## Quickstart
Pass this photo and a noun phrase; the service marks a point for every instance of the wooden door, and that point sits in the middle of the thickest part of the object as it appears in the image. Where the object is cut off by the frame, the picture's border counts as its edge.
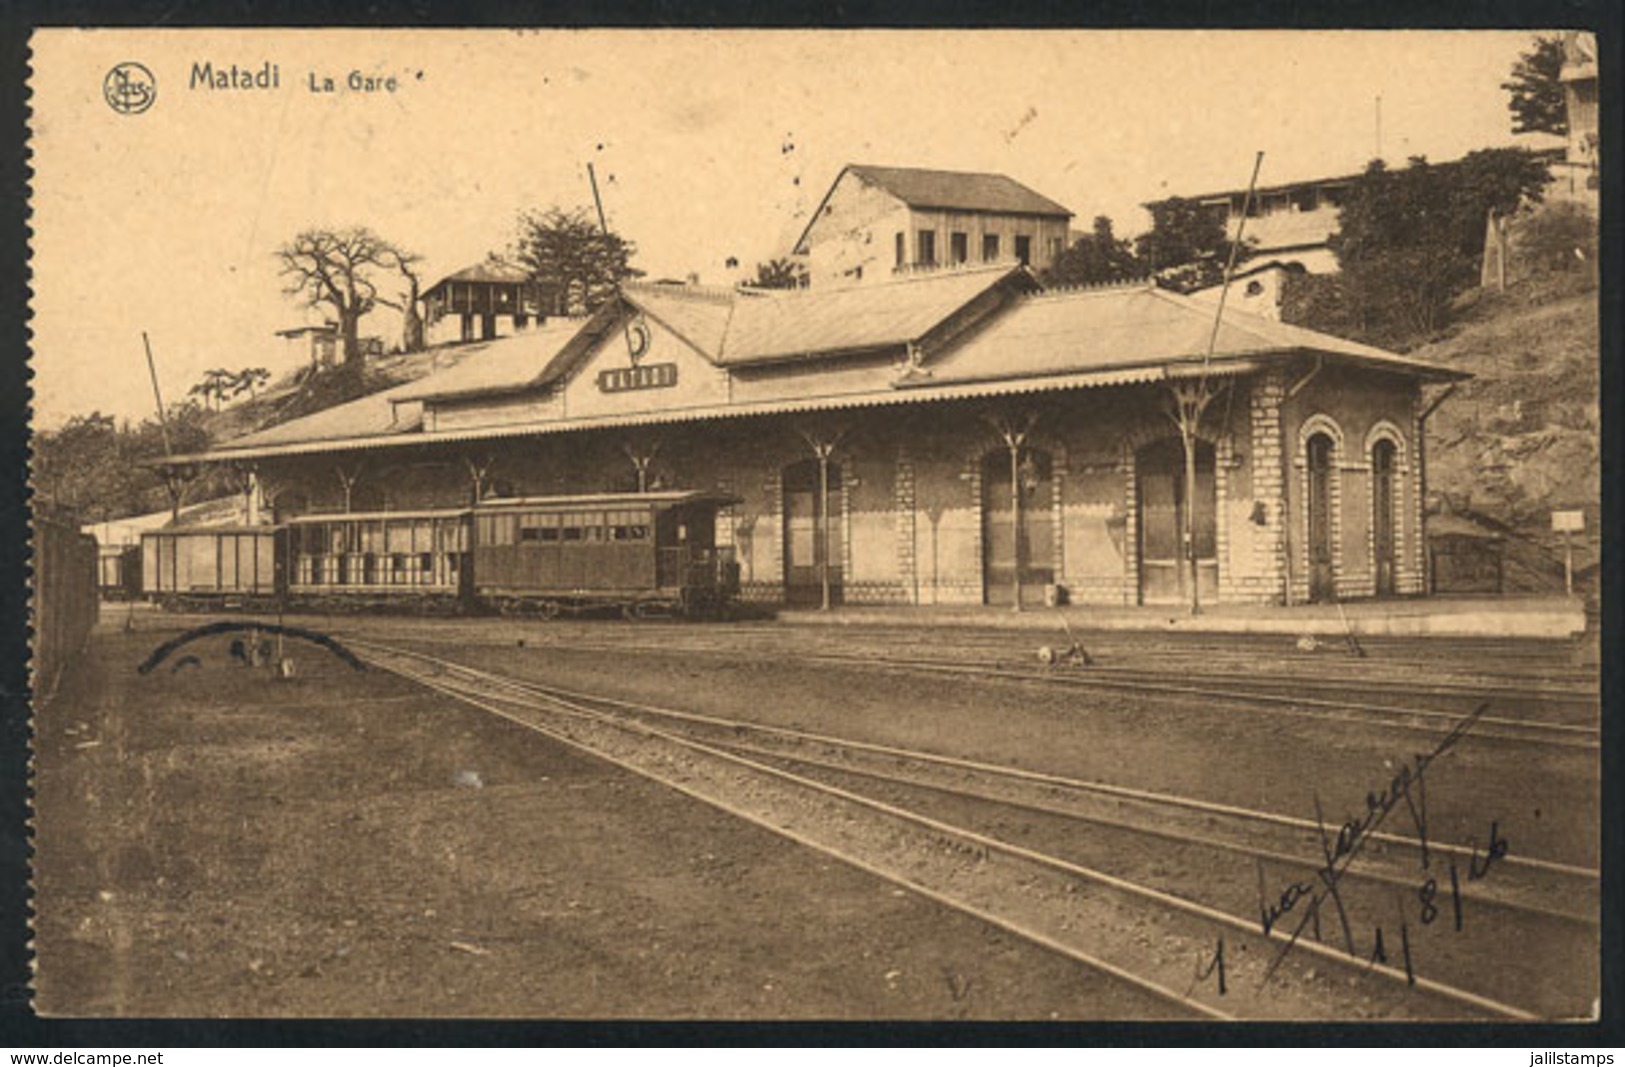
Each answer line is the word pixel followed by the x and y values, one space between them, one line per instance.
pixel 1164 553
pixel 1017 538
pixel 808 540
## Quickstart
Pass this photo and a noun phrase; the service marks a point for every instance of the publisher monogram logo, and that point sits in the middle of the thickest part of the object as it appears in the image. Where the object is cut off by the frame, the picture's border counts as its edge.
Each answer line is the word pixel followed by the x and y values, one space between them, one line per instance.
pixel 129 88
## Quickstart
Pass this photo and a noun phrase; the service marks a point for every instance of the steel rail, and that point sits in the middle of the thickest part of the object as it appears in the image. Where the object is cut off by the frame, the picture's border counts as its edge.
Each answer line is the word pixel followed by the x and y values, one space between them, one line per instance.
pixel 1077 784
pixel 1514 730
pixel 1012 926
pixel 1125 886
pixel 1194 840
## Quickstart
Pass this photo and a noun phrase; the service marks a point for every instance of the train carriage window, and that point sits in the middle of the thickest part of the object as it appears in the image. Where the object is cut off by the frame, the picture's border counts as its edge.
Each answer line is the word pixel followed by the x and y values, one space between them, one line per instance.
pixel 499 529
pixel 340 543
pixel 538 527
pixel 372 537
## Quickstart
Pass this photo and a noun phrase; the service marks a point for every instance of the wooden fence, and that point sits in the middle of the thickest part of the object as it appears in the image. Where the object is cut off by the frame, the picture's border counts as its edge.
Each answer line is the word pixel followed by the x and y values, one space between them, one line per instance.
pixel 62 604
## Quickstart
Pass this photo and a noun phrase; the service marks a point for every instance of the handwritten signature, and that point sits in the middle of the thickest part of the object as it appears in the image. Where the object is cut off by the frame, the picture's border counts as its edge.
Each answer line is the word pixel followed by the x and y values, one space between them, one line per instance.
pixel 1306 899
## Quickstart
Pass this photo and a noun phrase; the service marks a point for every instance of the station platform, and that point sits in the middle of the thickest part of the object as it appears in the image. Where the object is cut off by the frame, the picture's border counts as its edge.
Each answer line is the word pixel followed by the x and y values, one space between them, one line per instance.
pixel 1532 617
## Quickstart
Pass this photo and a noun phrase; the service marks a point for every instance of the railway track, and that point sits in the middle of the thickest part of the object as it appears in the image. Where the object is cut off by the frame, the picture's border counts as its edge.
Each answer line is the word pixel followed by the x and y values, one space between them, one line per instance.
pixel 934 824
pixel 1571 725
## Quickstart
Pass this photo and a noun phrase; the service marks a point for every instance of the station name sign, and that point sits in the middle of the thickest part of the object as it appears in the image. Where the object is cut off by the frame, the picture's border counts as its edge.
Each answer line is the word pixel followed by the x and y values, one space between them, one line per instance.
pixel 641 376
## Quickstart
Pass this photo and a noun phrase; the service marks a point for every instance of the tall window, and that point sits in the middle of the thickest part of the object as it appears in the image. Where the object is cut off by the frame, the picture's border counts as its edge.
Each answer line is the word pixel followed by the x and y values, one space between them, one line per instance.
pixel 958 248
pixel 927 248
pixel 990 247
pixel 902 253
pixel 1024 249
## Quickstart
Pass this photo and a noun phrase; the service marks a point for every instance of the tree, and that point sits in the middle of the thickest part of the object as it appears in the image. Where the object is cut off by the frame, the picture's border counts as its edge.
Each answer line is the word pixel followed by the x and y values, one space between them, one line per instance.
pixel 82 466
pixel 1409 240
pixel 576 265
pixel 216 387
pixel 1187 246
pixel 106 471
pixel 1096 258
pixel 411 319
pixel 340 268
pixel 249 380
pixel 779 274
pixel 1537 103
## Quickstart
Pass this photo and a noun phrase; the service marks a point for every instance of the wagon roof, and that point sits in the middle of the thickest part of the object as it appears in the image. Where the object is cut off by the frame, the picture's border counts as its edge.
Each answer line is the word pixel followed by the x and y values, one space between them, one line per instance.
pixel 207 531
pixel 663 498
pixel 348 516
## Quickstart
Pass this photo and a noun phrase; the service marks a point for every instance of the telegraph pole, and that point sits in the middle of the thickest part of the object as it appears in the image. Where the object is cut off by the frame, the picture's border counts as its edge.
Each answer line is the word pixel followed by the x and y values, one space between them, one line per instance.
pixel 1190 403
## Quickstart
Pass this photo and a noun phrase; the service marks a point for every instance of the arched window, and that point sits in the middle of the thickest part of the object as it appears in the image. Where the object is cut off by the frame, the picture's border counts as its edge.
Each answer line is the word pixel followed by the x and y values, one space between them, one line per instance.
pixel 1384 514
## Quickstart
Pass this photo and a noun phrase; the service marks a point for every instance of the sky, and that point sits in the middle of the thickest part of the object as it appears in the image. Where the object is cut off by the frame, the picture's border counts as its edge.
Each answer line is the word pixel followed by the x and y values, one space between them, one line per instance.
pixel 707 145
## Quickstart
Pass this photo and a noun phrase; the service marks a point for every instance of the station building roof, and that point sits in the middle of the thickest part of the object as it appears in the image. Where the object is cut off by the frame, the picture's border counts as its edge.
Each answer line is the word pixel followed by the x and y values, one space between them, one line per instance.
pixel 951 335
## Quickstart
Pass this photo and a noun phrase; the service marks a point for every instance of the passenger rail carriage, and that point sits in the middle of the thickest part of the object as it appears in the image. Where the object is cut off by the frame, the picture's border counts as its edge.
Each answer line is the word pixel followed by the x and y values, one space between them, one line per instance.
pixel 642 553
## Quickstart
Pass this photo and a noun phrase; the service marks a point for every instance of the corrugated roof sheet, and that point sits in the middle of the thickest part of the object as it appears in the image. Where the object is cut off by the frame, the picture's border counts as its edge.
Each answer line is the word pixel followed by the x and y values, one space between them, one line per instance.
pixel 1099 329
pixel 366 417
pixel 699 317
pixel 791 323
pixel 958 190
pixel 503 365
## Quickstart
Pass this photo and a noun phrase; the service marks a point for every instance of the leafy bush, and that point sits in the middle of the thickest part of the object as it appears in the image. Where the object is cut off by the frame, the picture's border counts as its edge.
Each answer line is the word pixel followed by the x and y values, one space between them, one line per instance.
pixel 1559 237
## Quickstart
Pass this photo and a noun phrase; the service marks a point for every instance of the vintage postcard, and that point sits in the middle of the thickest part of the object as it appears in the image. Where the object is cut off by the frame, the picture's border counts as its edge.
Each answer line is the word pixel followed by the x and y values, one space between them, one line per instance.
pixel 746 525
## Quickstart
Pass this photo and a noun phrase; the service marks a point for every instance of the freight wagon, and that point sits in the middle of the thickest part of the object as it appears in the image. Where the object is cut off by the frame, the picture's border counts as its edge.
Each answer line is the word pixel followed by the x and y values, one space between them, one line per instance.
pixel 207 567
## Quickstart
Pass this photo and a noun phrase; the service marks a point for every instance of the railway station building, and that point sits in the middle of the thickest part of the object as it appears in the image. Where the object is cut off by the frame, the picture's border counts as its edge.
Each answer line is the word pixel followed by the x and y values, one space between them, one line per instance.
pixel 958 436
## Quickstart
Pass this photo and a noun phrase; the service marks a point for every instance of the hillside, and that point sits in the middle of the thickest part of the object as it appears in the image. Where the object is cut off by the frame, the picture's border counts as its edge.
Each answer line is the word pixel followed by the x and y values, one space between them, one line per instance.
pixel 1522 438
pixel 302 393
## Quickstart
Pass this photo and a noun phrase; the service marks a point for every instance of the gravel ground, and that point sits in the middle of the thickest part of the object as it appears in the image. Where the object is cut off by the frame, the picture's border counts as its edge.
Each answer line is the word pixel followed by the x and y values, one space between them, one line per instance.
pixel 214 843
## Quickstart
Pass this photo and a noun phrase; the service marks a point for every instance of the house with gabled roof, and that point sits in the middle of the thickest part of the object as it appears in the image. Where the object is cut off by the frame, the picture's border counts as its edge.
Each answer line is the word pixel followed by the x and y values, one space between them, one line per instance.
pixel 878 222
pixel 955 437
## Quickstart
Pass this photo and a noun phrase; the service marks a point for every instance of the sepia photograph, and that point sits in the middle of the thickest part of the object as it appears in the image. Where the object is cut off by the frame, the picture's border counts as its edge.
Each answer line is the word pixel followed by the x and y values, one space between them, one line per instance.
pixel 798 525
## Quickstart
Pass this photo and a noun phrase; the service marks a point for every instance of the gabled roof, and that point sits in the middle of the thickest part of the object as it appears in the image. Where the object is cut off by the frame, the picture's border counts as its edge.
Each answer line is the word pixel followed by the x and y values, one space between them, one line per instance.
pixel 945 190
pixel 777 325
pixel 957 190
pixel 810 323
pixel 699 315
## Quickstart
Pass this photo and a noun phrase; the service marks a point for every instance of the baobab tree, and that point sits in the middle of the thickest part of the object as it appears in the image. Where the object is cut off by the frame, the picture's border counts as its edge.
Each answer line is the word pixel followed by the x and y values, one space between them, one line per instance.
pixel 411 319
pixel 340 269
